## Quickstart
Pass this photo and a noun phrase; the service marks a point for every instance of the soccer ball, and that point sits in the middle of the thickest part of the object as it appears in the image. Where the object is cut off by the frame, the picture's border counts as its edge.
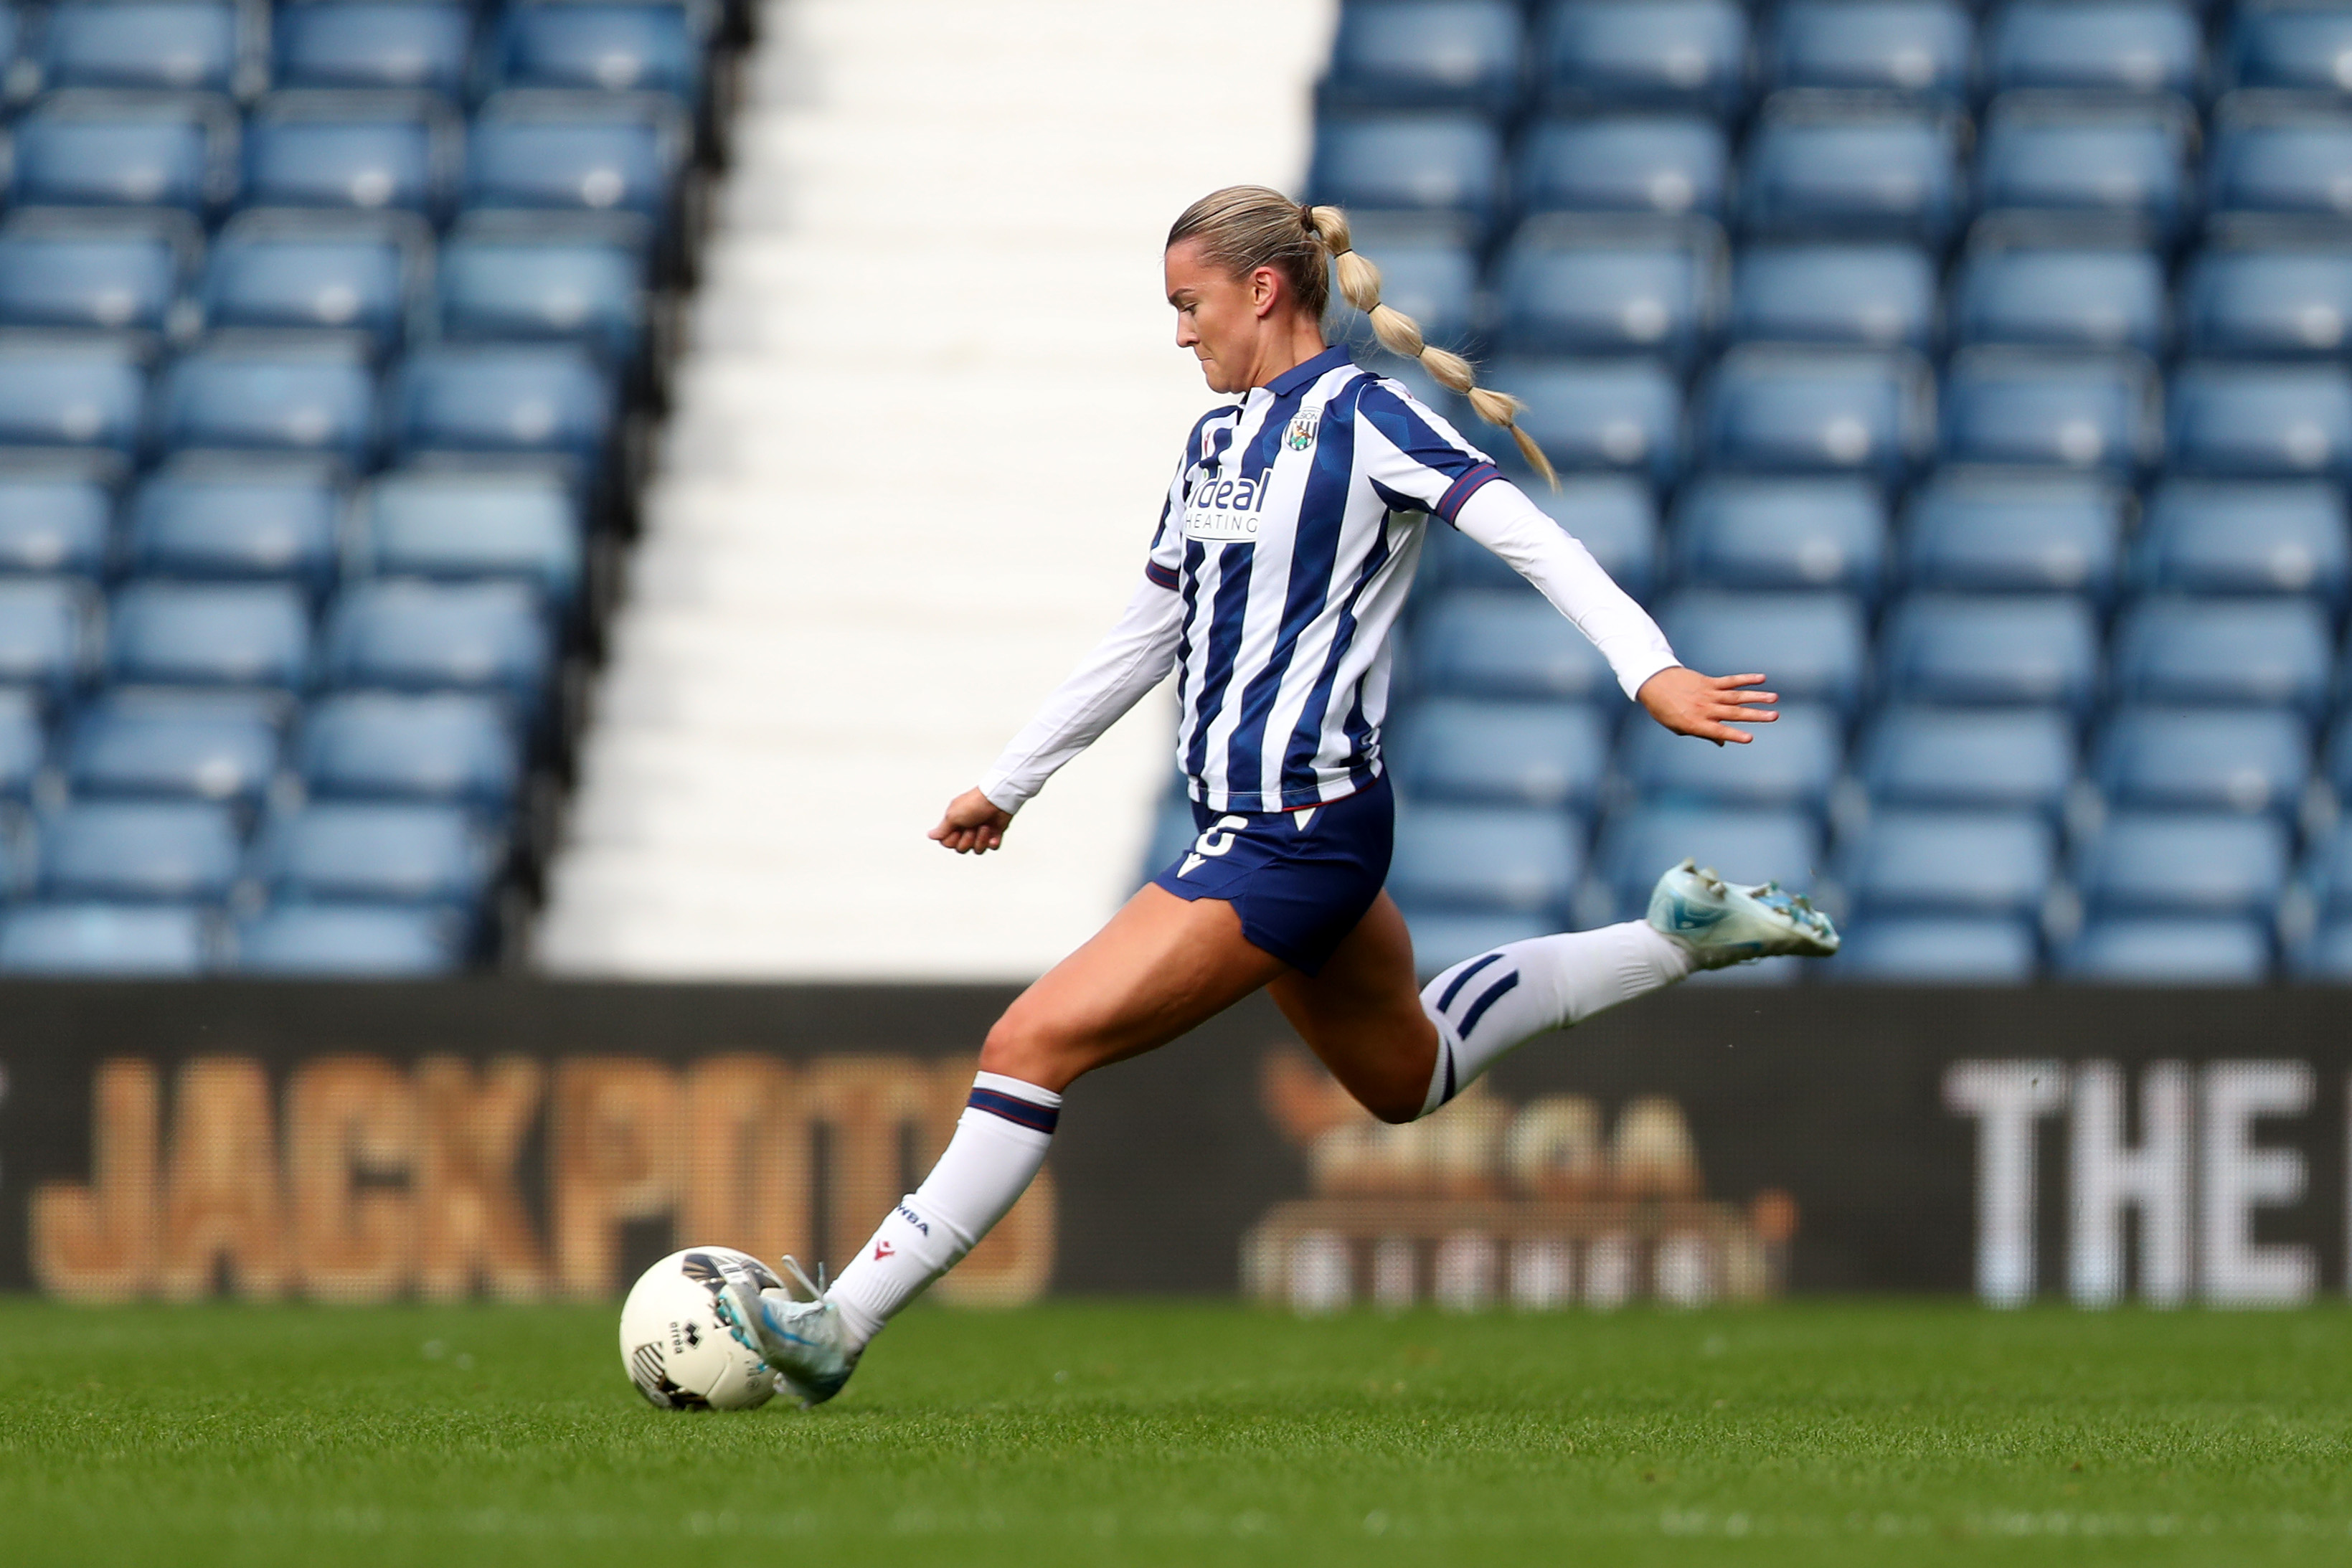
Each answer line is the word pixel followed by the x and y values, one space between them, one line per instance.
pixel 675 1346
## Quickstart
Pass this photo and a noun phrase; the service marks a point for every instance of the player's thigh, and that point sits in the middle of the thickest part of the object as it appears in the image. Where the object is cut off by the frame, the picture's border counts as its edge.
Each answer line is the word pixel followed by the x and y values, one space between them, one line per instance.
pixel 1161 967
pixel 1361 1014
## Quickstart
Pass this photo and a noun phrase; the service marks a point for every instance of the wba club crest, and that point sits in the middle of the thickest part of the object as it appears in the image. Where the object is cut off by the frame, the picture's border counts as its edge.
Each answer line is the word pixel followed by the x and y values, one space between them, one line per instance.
pixel 1302 433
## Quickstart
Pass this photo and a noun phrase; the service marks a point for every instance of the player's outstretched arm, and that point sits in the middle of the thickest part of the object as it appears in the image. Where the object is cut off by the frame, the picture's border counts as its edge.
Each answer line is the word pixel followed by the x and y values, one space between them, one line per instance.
pixel 1707 706
pixel 973 824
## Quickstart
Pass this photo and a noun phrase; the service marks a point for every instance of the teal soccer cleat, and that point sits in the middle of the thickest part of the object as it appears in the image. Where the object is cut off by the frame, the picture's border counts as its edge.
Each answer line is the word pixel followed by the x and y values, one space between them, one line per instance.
pixel 805 1343
pixel 1722 925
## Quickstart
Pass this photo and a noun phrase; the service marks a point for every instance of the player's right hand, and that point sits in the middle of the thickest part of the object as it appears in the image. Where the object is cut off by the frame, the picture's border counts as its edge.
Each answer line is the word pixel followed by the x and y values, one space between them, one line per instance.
pixel 973 824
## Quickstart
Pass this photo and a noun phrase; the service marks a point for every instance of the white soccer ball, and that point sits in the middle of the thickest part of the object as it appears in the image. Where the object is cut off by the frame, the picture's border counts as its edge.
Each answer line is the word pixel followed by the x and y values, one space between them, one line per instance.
pixel 677 1350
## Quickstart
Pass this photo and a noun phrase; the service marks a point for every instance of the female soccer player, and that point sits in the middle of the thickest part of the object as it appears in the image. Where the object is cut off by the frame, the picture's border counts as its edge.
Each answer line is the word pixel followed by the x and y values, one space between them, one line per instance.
pixel 1284 552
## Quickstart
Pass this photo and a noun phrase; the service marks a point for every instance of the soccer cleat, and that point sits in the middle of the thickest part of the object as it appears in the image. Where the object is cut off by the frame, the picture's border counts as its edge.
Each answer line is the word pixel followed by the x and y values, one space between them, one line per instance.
pixel 1722 925
pixel 805 1343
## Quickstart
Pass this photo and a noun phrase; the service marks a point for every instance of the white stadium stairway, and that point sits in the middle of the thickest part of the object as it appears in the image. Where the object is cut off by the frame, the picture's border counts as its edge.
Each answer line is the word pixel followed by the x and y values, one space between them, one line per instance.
pixel 928 406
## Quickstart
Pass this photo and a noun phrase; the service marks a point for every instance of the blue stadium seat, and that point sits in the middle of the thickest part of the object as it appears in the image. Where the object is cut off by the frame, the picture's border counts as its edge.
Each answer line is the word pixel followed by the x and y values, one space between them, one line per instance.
pixel 1820 165
pixel 2327 956
pixel 177 45
pixel 1936 949
pixel 2326 874
pixel 309 394
pixel 71 392
pixel 650 48
pixel 1887 46
pixel 1944 861
pixel 173 745
pixel 1610 285
pixel 402 44
pixel 469 525
pixel 103 149
pixel 1990 531
pixel 2273 156
pixel 1746 844
pixel 2338 764
pixel 1428 53
pixel 2038 649
pixel 365 745
pixel 2028 407
pixel 214 515
pixel 2055 152
pixel 1443 938
pixel 2171 951
pixel 509 277
pixel 1688 54
pixel 2219 536
pixel 65 267
pixel 2226 651
pixel 103 939
pixel 2008 759
pixel 432 855
pixel 2123 45
pixel 1428 161
pixel 2049 293
pixel 2269 295
pixel 139 850
pixel 2259 421
pixel 210 634
pixel 1614 517
pixel 364 150
pixel 1489 643
pixel 2235 759
pixel 1868 296
pixel 48 633
pixel 1817 410
pixel 1739 530
pixel 538 398
pixel 348 939
pixel 483 636
pixel 54 516
pixel 2187 862
pixel 1641 163
pixel 1486 857
pixel 24 744
pixel 576 151
pixel 1548 754
pixel 2303 48
pixel 320 271
pixel 1624 414
pixel 1792 761
pixel 1812 645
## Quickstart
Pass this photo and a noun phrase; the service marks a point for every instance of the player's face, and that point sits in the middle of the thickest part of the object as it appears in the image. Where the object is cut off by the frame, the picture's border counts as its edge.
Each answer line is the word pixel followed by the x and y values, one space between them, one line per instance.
pixel 1223 319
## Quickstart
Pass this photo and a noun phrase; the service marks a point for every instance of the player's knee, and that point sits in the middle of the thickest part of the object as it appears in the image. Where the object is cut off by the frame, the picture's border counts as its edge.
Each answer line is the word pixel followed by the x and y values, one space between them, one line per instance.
pixel 1397 1107
pixel 1030 1050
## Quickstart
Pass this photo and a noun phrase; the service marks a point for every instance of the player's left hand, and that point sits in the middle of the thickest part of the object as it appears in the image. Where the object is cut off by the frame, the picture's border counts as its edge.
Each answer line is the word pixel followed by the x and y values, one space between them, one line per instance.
pixel 1707 706
pixel 973 824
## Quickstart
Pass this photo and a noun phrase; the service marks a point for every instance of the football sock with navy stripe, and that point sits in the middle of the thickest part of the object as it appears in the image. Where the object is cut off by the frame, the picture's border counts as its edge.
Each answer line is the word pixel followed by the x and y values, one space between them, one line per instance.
pixel 1000 1142
pixel 1486 1008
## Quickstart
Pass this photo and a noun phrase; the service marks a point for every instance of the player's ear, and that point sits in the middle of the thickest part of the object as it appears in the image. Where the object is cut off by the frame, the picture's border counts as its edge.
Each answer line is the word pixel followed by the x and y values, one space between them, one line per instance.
pixel 1265 290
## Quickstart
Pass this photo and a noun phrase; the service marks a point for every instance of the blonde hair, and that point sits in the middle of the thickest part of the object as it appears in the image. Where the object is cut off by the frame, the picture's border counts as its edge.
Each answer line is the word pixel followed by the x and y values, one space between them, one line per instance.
pixel 1243 227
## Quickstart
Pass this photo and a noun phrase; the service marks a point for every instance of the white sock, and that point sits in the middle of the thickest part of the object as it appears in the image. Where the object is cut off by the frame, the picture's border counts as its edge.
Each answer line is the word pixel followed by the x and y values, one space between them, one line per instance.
pixel 1000 1142
pixel 1486 1008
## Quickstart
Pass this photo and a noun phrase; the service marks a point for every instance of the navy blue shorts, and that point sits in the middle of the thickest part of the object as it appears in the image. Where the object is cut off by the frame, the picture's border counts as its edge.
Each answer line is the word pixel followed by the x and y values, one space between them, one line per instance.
pixel 1299 879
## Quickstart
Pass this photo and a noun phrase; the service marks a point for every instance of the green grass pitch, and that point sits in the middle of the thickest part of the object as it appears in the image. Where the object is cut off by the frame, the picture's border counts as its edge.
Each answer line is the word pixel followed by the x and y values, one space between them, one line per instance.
pixel 1811 1433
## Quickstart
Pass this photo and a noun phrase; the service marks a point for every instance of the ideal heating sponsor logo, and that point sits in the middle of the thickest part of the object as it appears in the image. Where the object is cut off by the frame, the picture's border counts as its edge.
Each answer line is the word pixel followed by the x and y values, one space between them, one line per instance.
pixel 1225 509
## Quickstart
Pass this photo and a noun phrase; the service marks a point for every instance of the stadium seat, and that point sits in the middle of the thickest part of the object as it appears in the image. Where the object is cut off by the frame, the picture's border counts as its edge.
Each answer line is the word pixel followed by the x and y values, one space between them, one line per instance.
pixel 2029 407
pixel 299 395
pixel 1598 414
pixel 216 515
pixel 2039 291
pixel 1452 749
pixel 432 855
pixel 1443 938
pixel 2045 152
pixel 48 633
pixel 1615 520
pixel 509 277
pixel 176 46
pixel 1486 857
pixel 1867 296
pixel 103 939
pixel 1812 645
pixel 1502 643
pixel 1971 650
pixel 55 515
pixel 2326 875
pixel 480 636
pixel 1575 285
pixel 138 852
pixel 1822 165
pixel 2280 155
pixel 2305 48
pixel 1638 164
pixel 1429 162
pixel 348 939
pixel 2187 862
pixel 364 150
pixel 1936 949
pixel 229 634
pixel 381 44
pixel 647 47
pixel 2255 294
pixel 2338 765
pixel 2259 421
pixel 2223 951
pixel 370 745
pixel 65 267
pixel 1428 53
pixel 319 271
pixel 173 745
pixel 1739 530
pixel 467 524
pixel 2122 46
pixel 1746 844
pixel 104 149
pixel 2237 652
pixel 580 153
pixel 2005 759
pixel 526 398
pixel 24 745
pixel 1686 54
pixel 1990 531
pixel 1817 409
pixel 2235 759
pixel 2327 956
pixel 1792 761
pixel 1887 46
pixel 1943 861
pixel 82 391
pixel 2219 536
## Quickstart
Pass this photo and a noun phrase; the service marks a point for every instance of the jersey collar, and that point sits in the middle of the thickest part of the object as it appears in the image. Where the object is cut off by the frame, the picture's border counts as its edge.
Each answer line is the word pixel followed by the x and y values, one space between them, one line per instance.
pixel 1307 372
